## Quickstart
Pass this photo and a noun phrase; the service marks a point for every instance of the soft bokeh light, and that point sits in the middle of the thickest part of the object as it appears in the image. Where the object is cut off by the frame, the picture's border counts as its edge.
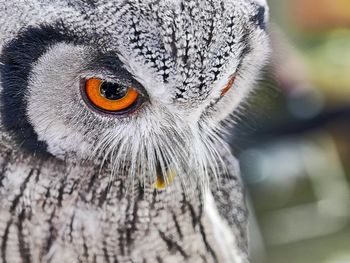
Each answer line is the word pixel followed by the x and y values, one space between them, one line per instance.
pixel 293 138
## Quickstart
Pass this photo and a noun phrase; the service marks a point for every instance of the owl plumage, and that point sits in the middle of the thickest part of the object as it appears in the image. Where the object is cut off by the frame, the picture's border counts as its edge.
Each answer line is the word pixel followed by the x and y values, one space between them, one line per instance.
pixel 151 182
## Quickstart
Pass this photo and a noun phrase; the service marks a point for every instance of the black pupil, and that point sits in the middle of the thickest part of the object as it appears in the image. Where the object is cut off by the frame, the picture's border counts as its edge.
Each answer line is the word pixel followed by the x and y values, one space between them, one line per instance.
pixel 113 91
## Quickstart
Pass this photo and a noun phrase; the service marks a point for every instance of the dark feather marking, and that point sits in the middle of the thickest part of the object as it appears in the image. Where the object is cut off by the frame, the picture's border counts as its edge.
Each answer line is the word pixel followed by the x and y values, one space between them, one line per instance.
pixel 130 230
pixel 85 248
pixel 121 242
pixel 52 235
pixel 22 189
pixel 211 28
pixel 135 218
pixel 193 215
pixel 92 3
pixel 159 259
pixel 47 196
pixel 154 199
pixel 105 252
pixel 4 168
pixel 206 243
pixel 120 194
pixel 174 50
pixel 177 226
pixel 71 228
pixel 259 18
pixel 247 47
pixel 92 181
pixel 202 230
pixel 23 246
pixel 4 241
pixel 183 203
pixel 61 191
pixel 246 50
pixel 204 258
pixel 74 187
pixel 102 198
pixel 172 245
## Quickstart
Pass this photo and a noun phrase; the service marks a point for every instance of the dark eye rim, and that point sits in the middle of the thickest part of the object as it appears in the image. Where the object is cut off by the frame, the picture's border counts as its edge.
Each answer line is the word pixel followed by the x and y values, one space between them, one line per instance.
pixel 136 106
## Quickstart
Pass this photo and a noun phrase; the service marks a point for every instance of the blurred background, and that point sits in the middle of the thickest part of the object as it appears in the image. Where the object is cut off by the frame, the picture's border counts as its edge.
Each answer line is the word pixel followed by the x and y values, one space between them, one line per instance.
pixel 293 137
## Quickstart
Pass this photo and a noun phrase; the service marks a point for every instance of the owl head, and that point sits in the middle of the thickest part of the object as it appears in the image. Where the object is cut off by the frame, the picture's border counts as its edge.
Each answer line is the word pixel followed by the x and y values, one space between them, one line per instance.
pixel 142 86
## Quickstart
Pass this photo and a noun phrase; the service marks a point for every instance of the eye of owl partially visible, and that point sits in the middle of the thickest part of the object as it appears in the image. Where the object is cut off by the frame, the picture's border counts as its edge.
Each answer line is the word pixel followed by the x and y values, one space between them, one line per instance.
pixel 111 98
pixel 138 90
pixel 136 82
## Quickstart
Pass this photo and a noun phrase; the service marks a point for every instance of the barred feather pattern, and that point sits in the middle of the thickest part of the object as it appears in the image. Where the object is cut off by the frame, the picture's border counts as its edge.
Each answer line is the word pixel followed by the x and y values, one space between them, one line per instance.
pixel 55 211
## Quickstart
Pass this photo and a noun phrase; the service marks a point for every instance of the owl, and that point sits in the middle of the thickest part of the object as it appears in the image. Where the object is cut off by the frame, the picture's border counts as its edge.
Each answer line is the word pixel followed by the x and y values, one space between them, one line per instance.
pixel 114 122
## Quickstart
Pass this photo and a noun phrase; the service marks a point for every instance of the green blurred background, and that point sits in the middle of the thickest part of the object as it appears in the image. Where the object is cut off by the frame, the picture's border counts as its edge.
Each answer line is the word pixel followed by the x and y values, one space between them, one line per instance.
pixel 293 137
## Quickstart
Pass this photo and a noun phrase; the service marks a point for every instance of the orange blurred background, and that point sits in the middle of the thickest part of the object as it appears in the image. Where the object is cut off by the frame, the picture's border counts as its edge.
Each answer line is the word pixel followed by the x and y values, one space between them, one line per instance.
pixel 293 137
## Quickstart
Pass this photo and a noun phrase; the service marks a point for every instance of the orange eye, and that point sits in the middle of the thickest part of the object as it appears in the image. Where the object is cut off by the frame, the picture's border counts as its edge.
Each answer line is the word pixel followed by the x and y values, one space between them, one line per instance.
pixel 109 96
pixel 228 86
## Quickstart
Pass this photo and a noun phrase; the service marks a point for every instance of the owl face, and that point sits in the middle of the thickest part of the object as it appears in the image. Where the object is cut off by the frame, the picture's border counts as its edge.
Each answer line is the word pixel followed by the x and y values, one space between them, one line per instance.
pixel 137 84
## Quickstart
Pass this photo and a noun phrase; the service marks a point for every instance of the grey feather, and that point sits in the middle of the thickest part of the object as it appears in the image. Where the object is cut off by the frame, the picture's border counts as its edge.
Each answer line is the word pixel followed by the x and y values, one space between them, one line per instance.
pixel 76 184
